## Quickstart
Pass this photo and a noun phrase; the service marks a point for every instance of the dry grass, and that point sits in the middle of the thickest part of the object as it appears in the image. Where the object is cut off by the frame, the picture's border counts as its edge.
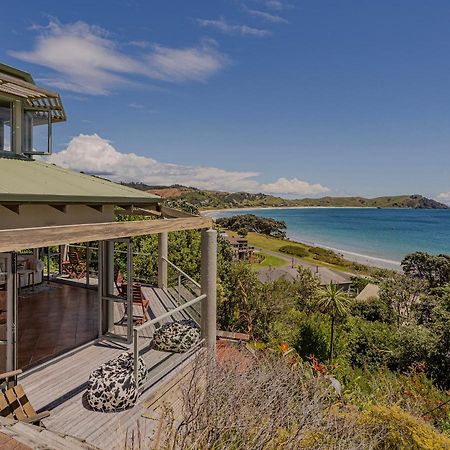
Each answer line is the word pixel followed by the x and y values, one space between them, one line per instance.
pixel 268 404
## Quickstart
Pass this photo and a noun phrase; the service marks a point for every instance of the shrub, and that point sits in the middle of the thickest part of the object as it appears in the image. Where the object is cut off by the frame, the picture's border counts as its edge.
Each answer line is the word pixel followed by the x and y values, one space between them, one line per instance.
pixel 294 250
pixel 326 255
pixel 414 345
pixel 373 309
pixel 370 344
pixel 312 338
pixel 402 430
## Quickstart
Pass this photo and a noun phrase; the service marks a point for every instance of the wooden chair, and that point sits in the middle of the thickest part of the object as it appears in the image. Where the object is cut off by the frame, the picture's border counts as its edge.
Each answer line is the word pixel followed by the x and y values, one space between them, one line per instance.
pixel 138 300
pixel 14 402
pixel 74 266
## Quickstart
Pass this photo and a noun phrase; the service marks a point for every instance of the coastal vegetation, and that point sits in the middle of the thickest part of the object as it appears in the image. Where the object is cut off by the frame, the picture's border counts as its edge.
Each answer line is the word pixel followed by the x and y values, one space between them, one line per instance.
pixel 375 371
pixel 204 199
pixel 245 223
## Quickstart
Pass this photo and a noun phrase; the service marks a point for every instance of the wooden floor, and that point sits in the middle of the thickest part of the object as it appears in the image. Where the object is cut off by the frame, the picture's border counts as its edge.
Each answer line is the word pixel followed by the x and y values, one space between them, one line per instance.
pixel 54 318
pixel 60 385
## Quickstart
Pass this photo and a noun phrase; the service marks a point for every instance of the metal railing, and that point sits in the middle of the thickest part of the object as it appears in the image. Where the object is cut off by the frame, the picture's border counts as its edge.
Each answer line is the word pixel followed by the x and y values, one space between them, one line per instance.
pixel 139 328
pixel 181 274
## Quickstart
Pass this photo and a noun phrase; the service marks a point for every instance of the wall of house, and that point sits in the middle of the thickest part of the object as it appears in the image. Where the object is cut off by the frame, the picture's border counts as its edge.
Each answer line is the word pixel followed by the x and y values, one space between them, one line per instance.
pixel 44 215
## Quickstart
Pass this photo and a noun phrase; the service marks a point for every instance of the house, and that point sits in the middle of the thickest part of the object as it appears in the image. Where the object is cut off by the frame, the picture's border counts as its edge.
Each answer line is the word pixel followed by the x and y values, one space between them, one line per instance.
pixel 241 249
pixel 61 314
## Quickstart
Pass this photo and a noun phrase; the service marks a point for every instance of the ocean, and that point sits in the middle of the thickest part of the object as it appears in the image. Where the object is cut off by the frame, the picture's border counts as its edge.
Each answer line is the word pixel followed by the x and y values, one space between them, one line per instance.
pixel 380 237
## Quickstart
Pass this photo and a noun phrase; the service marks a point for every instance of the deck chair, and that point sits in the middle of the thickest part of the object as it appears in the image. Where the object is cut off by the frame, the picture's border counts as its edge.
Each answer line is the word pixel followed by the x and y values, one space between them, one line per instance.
pixel 74 266
pixel 138 300
pixel 14 402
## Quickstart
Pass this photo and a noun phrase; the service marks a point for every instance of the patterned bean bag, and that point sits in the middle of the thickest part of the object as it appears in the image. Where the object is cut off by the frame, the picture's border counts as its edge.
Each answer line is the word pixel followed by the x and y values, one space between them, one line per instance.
pixel 177 337
pixel 112 387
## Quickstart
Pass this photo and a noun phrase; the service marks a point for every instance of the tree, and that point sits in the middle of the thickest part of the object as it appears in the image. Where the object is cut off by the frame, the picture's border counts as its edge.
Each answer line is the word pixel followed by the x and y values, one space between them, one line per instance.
pixel 402 293
pixel 334 302
pixel 432 268
pixel 249 222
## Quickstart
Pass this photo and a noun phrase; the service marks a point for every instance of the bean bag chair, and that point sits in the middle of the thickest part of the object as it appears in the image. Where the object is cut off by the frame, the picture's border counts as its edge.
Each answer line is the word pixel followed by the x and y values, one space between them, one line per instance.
pixel 112 386
pixel 177 337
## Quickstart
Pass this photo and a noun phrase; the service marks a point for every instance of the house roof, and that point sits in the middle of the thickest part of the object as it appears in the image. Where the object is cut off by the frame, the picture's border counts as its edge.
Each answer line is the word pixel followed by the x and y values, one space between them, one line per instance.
pixel 370 291
pixel 15 83
pixel 26 181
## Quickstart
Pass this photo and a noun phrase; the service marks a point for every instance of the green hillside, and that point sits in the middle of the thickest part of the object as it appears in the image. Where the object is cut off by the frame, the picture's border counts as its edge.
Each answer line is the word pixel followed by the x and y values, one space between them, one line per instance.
pixel 204 199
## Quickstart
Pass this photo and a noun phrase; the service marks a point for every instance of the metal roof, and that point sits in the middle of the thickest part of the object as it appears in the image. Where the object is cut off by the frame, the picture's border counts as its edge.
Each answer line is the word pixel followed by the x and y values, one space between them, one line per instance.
pixel 17 84
pixel 27 181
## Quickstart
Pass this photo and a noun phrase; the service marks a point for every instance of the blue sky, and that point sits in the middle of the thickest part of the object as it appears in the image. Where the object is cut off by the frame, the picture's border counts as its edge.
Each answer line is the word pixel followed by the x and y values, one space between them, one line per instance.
pixel 298 98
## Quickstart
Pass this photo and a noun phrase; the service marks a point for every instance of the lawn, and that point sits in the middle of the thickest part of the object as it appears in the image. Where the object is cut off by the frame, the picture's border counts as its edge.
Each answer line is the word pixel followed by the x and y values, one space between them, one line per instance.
pixel 274 244
pixel 269 261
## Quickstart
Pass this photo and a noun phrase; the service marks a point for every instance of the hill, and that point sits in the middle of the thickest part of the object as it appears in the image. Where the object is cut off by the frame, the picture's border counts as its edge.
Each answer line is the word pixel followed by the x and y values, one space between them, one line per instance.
pixel 204 199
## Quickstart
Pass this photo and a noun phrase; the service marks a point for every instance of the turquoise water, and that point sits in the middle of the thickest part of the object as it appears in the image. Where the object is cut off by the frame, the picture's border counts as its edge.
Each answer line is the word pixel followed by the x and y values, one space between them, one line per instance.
pixel 385 234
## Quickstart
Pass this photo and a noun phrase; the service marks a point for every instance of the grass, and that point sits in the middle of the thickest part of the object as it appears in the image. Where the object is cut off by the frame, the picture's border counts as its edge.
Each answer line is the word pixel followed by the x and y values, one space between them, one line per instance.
pixel 274 244
pixel 269 261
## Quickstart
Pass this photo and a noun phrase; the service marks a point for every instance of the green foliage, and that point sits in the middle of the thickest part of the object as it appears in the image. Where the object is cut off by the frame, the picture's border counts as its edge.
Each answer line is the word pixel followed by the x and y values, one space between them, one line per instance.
pixel 370 344
pixel 312 338
pixel 373 309
pixel 326 255
pixel 401 430
pixel 294 250
pixel 250 222
pixel 434 269
pixel 307 288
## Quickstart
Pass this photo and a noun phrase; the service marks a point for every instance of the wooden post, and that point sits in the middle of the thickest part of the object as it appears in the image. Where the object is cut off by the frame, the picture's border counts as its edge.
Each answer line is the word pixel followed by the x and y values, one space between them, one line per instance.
pixel 208 283
pixel 162 264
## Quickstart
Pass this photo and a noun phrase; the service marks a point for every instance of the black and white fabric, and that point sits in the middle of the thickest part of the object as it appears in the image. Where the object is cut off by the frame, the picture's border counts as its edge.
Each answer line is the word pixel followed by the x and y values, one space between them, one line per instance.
pixel 177 337
pixel 112 386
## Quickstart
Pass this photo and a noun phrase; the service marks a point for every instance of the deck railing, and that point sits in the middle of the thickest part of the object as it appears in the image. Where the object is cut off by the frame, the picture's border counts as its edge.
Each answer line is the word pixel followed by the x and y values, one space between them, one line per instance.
pixel 182 307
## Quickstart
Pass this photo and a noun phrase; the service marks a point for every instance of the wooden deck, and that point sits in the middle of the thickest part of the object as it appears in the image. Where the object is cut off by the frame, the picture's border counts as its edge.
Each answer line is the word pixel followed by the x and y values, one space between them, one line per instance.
pixel 60 385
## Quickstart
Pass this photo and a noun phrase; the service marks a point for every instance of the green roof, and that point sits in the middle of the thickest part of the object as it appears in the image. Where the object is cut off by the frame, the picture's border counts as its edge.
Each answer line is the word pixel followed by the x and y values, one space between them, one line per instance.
pixel 28 181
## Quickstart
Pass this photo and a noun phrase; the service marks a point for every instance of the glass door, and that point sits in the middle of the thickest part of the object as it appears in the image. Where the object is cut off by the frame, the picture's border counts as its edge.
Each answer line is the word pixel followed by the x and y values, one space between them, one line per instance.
pixel 115 290
pixel 8 312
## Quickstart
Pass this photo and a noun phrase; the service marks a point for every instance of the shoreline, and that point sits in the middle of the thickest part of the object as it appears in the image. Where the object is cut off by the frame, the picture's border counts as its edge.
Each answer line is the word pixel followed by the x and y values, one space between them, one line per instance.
pixel 367 260
pixel 209 212
pixel 360 258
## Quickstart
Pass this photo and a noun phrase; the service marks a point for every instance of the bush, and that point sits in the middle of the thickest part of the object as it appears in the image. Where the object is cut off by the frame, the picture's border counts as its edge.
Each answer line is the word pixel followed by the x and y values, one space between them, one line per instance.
pixel 402 430
pixel 325 255
pixel 373 310
pixel 414 346
pixel 312 338
pixel 370 344
pixel 294 250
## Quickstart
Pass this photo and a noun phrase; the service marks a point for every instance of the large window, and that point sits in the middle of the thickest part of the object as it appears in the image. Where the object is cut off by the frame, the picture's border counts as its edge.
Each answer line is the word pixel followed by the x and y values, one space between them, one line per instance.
pixel 37 129
pixel 5 126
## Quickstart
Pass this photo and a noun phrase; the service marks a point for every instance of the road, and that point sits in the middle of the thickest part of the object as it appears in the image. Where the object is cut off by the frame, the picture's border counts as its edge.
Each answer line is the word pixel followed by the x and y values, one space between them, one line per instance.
pixel 325 274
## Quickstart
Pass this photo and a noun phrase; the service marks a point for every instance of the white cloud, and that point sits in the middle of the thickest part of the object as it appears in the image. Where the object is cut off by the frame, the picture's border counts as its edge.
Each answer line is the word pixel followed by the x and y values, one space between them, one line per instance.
pixel 274 4
pixel 294 186
pixel 266 16
pixel 94 155
pixel 85 58
pixel 228 28
pixel 444 197
pixel 175 64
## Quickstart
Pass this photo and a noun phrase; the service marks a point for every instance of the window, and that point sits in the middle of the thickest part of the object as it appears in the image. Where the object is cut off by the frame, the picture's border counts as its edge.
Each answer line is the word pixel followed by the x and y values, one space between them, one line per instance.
pixel 5 126
pixel 36 137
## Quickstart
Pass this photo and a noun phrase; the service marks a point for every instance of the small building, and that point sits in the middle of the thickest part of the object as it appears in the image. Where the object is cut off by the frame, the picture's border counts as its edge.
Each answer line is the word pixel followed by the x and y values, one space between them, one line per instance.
pixel 62 312
pixel 241 249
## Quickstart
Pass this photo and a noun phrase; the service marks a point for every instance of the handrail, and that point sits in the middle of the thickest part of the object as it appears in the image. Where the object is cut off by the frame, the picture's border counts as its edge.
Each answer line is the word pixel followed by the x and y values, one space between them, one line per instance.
pixel 182 273
pixel 139 328
pixel 170 313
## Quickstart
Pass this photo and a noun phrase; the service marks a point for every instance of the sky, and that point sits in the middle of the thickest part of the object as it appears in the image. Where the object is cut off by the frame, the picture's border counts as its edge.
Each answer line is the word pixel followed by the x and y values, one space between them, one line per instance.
pixel 290 97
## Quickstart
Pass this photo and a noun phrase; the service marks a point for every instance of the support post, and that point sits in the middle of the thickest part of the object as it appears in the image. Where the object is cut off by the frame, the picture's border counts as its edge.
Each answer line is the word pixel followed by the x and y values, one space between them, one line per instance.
pixel 108 280
pixel 162 264
pixel 208 283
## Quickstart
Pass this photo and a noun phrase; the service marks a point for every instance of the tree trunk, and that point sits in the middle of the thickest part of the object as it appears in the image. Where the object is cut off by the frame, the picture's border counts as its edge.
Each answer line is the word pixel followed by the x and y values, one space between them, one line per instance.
pixel 332 340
